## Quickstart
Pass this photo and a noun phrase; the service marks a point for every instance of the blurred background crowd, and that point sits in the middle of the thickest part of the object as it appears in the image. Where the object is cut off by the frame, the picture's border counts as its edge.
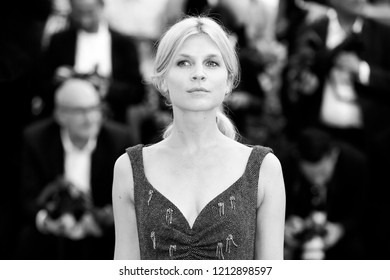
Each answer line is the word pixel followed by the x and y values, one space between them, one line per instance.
pixel 75 88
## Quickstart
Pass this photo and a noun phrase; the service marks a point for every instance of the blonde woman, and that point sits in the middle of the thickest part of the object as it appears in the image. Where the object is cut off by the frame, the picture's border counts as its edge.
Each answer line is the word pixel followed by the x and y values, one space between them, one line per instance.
pixel 199 193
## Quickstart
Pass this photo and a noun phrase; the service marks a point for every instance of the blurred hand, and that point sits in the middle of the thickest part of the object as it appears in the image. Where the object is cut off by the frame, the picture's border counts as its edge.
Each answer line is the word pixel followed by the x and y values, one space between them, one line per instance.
pixel 67 225
pixel 348 61
pixel 63 73
pixel 45 224
pixel 104 216
pixel 101 83
pixel 82 228
pixel 334 232
pixel 293 226
pixel 90 225
pixel 313 249
pixel 71 228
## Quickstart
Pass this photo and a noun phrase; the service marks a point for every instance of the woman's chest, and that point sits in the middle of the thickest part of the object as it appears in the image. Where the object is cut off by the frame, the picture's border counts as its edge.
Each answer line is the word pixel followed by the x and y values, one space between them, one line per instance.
pixel 192 186
pixel 194 173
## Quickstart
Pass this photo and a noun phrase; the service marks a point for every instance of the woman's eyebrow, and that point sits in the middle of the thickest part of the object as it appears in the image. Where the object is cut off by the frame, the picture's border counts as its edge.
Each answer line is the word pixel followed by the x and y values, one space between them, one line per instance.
pixel 211 55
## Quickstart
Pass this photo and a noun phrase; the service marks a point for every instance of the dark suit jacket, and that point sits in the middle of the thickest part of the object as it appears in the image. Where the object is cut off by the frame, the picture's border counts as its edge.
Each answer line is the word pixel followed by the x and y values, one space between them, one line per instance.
pixel 42 163
pixel 345 200
pixel 126 82
pixel 370 45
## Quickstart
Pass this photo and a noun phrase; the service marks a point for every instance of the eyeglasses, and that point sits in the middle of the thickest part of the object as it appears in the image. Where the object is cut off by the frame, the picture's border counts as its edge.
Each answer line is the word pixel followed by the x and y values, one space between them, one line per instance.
pixel 81 110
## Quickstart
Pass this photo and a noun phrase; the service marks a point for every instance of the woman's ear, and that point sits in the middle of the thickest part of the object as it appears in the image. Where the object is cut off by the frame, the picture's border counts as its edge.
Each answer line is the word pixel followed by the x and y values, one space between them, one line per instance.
pixel 164 86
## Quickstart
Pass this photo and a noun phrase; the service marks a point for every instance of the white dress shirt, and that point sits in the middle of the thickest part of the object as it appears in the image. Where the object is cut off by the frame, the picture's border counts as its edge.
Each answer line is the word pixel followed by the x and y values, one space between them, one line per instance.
pixel 77 165
pixel 94 50
pixel 339 107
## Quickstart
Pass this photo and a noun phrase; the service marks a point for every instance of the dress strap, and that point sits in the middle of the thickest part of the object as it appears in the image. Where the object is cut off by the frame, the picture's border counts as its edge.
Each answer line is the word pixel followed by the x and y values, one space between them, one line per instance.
pixel 141 198
pixel 260 153
pixel 137 164
pixel 255 160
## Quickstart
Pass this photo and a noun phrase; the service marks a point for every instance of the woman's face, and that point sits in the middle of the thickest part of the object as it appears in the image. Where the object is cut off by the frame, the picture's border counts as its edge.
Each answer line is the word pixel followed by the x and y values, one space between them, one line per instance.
pixel 197 79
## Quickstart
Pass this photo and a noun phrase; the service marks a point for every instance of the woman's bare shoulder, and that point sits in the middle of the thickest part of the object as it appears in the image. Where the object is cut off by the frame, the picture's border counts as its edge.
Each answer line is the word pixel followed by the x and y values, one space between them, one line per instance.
pixel 271 181
pixel 270 169
pixel 123 176
pixel 271 163
pixel 123 164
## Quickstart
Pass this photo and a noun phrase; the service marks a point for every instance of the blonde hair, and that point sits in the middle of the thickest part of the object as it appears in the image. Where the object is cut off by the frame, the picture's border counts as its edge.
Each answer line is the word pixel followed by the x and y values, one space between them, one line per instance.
pixel 171 42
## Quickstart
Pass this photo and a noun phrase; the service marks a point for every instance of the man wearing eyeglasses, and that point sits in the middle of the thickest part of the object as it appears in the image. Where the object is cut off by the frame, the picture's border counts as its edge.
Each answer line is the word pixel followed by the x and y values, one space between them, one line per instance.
pixel 67 163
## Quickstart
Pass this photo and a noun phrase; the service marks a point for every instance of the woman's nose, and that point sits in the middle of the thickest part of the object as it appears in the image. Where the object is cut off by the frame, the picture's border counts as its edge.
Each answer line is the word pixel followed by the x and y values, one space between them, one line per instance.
pixel 198 77
pixel 198 74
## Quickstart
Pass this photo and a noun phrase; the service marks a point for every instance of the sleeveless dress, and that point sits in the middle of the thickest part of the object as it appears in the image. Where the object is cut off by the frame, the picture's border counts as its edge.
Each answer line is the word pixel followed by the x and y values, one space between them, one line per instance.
pixel 224 229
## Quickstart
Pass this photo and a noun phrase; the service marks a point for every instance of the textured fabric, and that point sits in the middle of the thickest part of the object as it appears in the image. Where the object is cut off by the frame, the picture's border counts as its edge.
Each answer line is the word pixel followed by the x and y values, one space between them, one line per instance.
pixel 224 229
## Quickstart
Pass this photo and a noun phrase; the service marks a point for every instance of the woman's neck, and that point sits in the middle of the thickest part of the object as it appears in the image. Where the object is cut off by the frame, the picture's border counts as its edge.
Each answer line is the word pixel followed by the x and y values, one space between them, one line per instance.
pixel 195 131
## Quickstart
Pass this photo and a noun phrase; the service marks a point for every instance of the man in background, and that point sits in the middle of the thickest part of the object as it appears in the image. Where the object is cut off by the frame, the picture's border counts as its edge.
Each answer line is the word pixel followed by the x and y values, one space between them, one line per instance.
pixel 67 163
pixel 90 48
pixel 326 181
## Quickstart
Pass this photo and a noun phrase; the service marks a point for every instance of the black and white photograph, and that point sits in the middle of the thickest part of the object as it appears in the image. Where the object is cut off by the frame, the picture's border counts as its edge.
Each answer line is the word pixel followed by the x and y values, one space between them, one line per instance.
pixel 246 130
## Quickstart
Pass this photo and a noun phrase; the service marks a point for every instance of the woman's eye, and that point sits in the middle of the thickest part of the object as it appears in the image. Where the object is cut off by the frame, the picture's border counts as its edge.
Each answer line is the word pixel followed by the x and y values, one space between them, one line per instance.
pixel 212 64
pixel 183 63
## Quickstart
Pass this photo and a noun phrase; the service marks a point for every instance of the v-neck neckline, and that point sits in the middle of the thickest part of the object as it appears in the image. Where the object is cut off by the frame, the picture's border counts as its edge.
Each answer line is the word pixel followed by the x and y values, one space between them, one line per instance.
pixel 207 205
